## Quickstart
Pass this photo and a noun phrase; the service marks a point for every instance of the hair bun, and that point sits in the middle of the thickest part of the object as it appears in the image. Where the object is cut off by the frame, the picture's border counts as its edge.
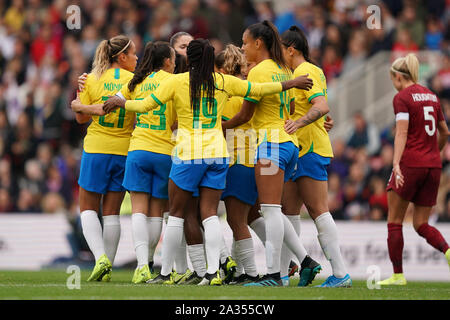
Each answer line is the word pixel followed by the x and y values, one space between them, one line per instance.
pixel 294 28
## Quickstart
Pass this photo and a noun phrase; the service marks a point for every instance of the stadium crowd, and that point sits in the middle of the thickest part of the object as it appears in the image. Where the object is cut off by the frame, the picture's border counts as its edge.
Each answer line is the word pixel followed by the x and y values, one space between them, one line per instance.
pixel 41 59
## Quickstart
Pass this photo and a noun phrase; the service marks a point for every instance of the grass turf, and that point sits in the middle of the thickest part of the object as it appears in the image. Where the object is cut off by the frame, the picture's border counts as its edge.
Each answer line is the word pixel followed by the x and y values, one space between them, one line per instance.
pixel 51 285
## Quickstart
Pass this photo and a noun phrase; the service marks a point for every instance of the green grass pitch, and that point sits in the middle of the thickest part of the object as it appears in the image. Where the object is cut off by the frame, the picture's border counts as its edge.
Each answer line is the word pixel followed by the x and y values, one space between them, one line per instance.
pixel 52 285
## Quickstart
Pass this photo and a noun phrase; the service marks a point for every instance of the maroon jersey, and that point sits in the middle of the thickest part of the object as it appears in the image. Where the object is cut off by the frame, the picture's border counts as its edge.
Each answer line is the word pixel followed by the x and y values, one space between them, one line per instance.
pixel 421 107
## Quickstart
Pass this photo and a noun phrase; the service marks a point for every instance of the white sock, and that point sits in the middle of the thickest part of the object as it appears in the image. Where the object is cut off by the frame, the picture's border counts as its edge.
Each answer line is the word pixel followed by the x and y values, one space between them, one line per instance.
pixel 166 216
pixel 274 235
pixel 139 232
pixel 198 259
pixel 213 235
pixel 292 245
pixel 239 267
pixel 259 227
pixel 171 243
pixel 224 252
pixel 92 231
pixel 154 227
pixel 245 253
pixel 111 235
pixel 181 257
pixel 328 239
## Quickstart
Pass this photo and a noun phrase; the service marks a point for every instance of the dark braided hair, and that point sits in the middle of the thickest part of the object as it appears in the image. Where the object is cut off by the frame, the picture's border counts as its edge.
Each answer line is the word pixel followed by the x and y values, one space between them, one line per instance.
pixel 153 60
pixel 200 56
pixel 294 37
pixel 268 33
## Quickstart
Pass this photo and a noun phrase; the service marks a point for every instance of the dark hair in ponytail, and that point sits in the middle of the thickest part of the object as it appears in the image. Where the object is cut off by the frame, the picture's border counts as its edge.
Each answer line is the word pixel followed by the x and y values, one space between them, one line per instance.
pixel 294 37
pixel 268 33
pixel 180 63
pixel 153 60
pixel 200 56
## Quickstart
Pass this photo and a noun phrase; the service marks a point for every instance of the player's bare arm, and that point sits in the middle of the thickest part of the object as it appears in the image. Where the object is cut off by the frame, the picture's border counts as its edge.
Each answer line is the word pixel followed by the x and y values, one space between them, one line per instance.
pixel 319 109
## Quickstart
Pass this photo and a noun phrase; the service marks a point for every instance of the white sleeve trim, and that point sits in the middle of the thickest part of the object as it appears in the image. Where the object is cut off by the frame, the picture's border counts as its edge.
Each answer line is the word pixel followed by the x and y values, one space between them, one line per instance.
pixel 402 116
pixel 119 94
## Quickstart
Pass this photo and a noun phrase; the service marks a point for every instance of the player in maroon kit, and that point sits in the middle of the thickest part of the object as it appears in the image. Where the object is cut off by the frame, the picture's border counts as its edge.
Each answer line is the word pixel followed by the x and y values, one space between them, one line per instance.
pixel 417 163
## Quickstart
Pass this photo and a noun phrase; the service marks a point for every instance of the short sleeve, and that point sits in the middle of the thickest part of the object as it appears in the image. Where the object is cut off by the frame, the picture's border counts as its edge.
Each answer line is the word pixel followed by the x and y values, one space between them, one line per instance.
pixel 316 89
pixel 401 110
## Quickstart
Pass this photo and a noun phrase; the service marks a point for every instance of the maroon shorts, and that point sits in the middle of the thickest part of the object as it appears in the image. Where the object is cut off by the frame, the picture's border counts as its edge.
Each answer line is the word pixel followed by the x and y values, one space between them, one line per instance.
pixel 420 186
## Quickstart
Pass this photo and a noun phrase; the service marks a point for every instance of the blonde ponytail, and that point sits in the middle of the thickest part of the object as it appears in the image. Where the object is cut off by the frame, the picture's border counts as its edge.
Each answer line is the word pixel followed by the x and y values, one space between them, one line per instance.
pixel 101 59
pixel 412 64
pixel 407 66
pixel 234 60
pixel 107 52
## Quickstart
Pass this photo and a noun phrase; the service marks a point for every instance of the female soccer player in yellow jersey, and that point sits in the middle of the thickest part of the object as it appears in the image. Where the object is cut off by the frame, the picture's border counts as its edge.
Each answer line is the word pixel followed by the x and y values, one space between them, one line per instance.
pixel 309 181
pixel 277 150
pixel 104 151
pixel 149 155
pixel 200 155
pixel 240 193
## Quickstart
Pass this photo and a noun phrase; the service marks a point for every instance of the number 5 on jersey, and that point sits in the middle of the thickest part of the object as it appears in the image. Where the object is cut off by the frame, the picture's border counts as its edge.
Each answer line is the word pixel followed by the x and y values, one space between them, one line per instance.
pixel 427 114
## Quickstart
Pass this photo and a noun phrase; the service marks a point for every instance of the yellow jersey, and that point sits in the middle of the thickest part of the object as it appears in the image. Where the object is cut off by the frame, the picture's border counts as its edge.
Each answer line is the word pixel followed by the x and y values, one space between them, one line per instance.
pixel 153 129
pixel 242 143
pixel 313 137
pixel 199 134
pixel 271 111
pixel 111 133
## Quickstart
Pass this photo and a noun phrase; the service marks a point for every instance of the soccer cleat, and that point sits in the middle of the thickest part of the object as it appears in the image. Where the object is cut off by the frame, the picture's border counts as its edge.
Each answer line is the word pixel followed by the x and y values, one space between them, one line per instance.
pixel 193 278
pixel 265 281
pixel 285 281
pixel 160 279
pixel 333 282
pixel 211 279
pixel 308 273
pixel 397 279
pixel 182 277
pixel 229 269
pixel 176 276
pixel 153 273
pixel 293 268
pixel 243 279
pixel 102 267
pixel 107 276
pixel 141 275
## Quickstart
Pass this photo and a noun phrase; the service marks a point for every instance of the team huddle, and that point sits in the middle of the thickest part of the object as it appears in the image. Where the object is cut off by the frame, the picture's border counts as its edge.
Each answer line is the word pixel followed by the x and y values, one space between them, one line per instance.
pixel 186 128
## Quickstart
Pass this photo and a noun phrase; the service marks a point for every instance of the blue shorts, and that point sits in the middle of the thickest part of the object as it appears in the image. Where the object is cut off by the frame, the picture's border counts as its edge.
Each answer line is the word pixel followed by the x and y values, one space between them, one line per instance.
pixel 312 165
pixel 283 155
pixel 101 172
pixel 190 175
pixel 148 172
pixel 241 184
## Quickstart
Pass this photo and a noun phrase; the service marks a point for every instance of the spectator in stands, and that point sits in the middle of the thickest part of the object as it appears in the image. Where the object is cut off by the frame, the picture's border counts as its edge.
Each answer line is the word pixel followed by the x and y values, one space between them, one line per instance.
pixel 363 135
pixel 6 203
pixel 190 21
pixel 378 199
pixel 404 43
pixel 340 163
pixel 331 63
pixel 410 21
pixel 434 34
pixel 357 51
pixel 335 195
pixel 440 83
pixel 300 15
